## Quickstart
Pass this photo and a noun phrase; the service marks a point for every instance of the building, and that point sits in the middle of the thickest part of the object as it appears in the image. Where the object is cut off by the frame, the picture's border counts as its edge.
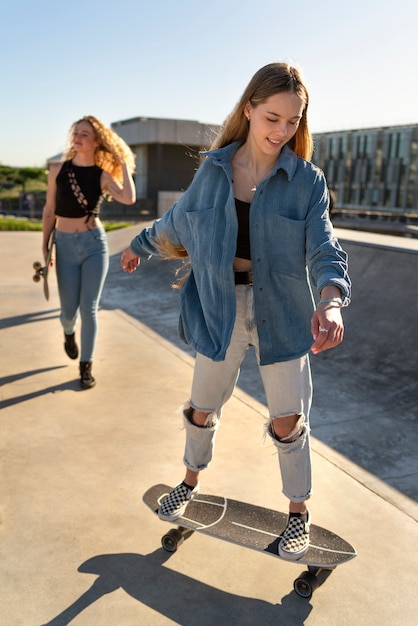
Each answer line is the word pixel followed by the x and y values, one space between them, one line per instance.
pixel 166 157
pixel 373 170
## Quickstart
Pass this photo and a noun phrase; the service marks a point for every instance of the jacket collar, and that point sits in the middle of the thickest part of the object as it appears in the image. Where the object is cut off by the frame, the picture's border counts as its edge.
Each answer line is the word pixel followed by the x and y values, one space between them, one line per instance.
pixel 287 160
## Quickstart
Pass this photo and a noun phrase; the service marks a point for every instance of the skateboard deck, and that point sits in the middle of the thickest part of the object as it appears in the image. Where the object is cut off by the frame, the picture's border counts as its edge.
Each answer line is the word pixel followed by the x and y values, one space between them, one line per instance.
pixel 42 270
pixel 253 527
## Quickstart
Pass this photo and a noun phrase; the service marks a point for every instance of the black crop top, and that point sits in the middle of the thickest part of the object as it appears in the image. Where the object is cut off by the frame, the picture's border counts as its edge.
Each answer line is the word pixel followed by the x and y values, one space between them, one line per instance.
pixel 243 239
pixel 87 179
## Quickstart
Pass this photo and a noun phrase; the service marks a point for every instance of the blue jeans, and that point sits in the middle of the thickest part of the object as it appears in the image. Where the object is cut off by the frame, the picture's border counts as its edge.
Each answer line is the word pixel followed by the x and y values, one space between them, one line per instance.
pixel 288 389
pixel 82 262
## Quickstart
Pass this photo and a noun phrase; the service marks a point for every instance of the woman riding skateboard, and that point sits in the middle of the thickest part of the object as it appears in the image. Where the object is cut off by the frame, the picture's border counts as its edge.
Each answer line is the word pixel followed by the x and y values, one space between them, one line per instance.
pixel 255 227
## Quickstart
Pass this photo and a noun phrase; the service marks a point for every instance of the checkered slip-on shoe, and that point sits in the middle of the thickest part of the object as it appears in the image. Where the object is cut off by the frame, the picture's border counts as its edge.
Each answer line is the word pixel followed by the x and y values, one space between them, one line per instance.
pixel 295 540
pixel 174 505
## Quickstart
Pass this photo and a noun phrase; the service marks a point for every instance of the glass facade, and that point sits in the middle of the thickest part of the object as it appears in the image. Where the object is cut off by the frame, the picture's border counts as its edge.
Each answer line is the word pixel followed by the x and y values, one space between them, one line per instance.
pixel 371 169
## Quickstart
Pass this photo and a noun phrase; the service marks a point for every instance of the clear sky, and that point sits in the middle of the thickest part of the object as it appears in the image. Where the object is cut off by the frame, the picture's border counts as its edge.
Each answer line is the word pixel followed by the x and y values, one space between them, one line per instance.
pixel 192 59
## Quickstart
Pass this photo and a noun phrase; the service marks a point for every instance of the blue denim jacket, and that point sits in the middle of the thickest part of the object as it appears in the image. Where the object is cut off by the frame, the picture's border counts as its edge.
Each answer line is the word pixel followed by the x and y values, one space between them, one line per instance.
pixel 292 248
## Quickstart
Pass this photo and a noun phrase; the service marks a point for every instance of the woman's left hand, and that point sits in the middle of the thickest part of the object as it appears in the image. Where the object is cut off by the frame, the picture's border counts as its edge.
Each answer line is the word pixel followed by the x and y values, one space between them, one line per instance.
pixel 327 327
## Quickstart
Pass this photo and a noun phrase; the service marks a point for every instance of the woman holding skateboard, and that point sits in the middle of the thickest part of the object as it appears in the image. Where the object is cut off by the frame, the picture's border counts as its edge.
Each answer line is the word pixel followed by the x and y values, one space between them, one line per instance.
pixel 255 227
pixel 97 164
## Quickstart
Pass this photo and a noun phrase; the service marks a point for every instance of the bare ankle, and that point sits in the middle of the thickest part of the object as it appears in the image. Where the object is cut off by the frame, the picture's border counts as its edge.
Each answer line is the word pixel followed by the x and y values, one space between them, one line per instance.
pixel 297 507
pixel 191 478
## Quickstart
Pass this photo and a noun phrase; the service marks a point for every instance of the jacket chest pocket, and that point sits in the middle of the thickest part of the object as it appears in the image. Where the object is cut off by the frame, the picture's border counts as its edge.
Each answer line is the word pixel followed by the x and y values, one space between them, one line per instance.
pixel 286 246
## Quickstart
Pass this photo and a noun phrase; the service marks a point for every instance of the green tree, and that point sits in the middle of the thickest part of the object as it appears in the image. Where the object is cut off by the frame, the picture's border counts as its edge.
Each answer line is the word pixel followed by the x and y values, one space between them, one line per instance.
pixel 15 182
pixel 29 173
pixel 7 177
pixel 11 177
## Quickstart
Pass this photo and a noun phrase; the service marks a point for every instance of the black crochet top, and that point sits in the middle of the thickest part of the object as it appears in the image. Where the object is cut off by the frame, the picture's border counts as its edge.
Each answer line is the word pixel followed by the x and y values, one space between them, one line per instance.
pixel 78 191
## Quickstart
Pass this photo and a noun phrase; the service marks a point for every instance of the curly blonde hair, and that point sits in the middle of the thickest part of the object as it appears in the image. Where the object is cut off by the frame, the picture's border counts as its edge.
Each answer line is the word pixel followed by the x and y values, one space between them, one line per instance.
pixel 111 150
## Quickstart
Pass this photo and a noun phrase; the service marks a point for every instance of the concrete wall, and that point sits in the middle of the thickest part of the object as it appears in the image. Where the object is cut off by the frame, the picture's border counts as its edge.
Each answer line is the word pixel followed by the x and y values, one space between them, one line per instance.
pixel 166 199
pixel 377 364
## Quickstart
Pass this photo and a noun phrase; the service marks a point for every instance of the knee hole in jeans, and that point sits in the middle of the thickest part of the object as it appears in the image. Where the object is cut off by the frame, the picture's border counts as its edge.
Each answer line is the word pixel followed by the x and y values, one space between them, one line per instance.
pixel 289 432
pixel 203 419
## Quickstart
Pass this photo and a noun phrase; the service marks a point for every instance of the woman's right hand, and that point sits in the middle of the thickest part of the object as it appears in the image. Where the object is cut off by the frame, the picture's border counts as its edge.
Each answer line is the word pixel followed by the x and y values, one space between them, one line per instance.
pixel 45 252
pixel 129 261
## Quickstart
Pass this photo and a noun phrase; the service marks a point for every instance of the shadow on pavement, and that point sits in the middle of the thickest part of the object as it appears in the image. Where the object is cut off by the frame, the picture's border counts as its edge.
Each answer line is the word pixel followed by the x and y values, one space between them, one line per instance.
pixel 28 318
pixel 184 600
pixel 72 385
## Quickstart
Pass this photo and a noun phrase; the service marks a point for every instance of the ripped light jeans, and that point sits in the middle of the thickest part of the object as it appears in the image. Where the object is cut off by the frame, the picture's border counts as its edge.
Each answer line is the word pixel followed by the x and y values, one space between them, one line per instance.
pixel 288 389
pixel 82 262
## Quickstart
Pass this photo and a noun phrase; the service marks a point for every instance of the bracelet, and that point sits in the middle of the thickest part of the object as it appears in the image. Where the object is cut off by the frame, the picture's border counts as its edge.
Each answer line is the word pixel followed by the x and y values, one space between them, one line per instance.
pixel 336 300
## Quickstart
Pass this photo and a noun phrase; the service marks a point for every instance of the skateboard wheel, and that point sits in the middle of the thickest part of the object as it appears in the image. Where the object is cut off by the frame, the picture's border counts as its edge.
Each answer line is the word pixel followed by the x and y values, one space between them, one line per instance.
pixel 37 266
pixel 172 540
pixel 36 278
pixel 305 585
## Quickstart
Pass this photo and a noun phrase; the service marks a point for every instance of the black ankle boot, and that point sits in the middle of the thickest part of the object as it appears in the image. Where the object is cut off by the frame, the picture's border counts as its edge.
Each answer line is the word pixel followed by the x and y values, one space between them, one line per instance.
pixel 70 346
pixel 86 379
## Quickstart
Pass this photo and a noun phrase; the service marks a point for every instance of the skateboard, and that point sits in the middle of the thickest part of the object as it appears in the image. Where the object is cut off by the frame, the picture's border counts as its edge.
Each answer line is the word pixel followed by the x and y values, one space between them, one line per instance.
pixel 42 270
pixel 253 527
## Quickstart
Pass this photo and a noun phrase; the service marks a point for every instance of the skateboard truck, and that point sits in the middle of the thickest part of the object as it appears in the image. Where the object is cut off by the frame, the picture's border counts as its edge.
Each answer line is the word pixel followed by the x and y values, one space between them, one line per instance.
pixel 305 584
pixel 39 271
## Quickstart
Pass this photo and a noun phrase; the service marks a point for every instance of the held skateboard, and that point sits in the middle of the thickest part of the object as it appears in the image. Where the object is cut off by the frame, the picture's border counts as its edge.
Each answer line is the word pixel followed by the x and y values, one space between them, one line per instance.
pixel 41 270
pixel 253 527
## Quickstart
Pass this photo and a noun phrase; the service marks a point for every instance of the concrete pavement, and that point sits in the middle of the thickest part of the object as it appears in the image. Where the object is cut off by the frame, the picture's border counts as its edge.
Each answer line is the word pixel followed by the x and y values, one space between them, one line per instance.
pixel 77 544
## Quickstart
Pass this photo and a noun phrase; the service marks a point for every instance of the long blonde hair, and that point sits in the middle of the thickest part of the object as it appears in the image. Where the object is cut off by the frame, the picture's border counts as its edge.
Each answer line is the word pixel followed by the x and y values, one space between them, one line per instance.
pixel 269 80
pixel 110 151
